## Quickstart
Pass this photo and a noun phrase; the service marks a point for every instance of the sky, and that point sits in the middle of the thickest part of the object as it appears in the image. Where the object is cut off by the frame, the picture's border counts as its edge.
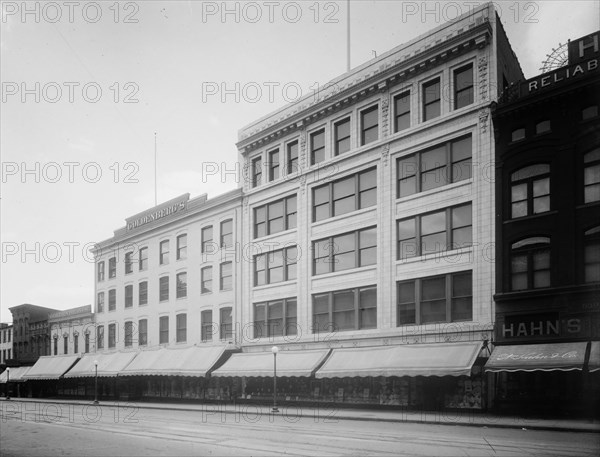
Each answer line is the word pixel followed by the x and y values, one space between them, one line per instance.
pixel 86 85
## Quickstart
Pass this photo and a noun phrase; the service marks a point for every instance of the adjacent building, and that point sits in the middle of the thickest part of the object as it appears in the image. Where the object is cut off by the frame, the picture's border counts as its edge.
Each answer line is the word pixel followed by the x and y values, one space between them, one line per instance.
pixel 6 343
pixel 72 331
pixel 31 335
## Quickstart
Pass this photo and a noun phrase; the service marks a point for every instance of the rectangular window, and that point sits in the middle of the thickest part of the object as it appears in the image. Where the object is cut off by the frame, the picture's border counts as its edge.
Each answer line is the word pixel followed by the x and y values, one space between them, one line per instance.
pixel 112 335
pixel 350 309
pixel 112 267
pixel 100 304
pixel 275 318
pixel 182 247
pixel 345 195
pixel 317 147
pixel 225 276
pixel 100 271
pixel 591 176
pixel 463 86
pixel 128 263
pixel 402 111
pixel 207 240
pixel 256 171
pixel 226 323
pixel 112 299
pixel 206 323
pixel 273 165
pixel 342 136
pixel 227 233
pixel 369 125
pixel 163 287
pixel 143 262
pixel 163 329
pixel 87 343
pixel 164 252
pixel 275 217
pixel 446 298
pixel 443 164
pixel 128 334
pixel 142 332
pixel 345 251
pixel 56 345
pixel 181 285
pixel 128 296
pixel 275 266
pixel 99 337
pixel 292 158
pixel 65 344
pixel 181 323
pixel 432 100
pixel 206 280
pixel 143 293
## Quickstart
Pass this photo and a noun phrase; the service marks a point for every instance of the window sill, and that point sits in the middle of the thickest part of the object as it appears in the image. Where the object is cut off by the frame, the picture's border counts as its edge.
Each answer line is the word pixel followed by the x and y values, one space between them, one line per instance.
pixel 435 256
pixel 273 235
pixel 341 217
pixel 531 217
pixel 334 274
pixel 429 192
pixel 274 284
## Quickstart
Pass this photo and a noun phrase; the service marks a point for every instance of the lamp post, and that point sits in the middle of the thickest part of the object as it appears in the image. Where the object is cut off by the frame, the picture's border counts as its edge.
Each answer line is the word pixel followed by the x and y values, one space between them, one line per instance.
pixel 275 350
pixel 7 383
pixel 96 383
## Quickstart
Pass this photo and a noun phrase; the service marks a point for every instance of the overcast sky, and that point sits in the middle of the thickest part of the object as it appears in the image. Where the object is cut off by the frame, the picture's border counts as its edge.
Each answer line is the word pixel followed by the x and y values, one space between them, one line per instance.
pixel 79 160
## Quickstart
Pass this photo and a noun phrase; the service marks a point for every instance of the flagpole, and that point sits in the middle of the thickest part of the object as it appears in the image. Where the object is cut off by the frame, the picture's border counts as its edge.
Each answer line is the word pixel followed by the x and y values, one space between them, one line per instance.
pixel 155 184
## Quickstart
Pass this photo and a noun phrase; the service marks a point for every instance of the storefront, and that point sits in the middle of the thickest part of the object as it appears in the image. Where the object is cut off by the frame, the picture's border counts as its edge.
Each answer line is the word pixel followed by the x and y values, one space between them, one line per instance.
pixel 12 380
pixel 42 377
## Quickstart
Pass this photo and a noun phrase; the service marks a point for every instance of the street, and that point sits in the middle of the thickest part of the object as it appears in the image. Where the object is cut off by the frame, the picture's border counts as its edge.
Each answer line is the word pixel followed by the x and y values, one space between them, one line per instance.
pixel 36 429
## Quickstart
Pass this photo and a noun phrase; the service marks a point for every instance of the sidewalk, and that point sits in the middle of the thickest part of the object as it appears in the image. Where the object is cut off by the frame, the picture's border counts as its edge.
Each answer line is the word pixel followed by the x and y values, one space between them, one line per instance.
pixel 330 413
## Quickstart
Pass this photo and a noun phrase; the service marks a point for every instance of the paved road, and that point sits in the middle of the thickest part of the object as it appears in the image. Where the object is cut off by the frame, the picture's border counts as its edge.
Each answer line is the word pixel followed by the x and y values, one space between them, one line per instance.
pixel 42 429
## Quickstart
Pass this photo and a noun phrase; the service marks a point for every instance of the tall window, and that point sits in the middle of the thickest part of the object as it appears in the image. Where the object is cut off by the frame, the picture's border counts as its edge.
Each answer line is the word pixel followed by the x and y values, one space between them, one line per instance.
pixel 226 323
pixel 181 324
pixel 432 106
pixel 100 271
pixel 128 263
pixel 530 263
pixel 143 293
pixel 351 309
pixel 207 240
pixel 55 344
pixel 112 335
pixel 163 329
pixel 463 86
pixel 206 280
pixel 273 165
pixel 100 304
pixel 182 247
pixel 402 111
pixel 99 337
pixel 181 285
pixel 75 343
pixel 143 261
pixel 591 176
pixel 530 190
pixel 275 217
pixel 443 230
pixel 163 288
pixel 342 252
pixel 256 171
pixel 128 296
pixel 87 342
pixel 112 267
pixel 275 266
pixel 369 125
pixel 446 298
pixel 142 332
pixel 591 255
pixel 275 318
pixel 292 157
pixel 65 344
pixel 225 277
pixel 164 252
pixel 342 136
pixel 227 233
pixel 128 334
pixel 112 299
pixel 317 147
pixel 443 164
pixel 345 195
pixel 206 324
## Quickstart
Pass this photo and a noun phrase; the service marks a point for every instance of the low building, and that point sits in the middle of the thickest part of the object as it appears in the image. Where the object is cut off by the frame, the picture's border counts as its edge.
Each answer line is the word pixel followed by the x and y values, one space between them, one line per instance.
pixel 72 331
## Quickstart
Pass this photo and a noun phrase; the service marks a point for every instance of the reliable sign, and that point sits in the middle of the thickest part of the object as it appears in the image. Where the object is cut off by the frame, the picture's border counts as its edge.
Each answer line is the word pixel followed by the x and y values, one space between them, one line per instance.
pixel 167 209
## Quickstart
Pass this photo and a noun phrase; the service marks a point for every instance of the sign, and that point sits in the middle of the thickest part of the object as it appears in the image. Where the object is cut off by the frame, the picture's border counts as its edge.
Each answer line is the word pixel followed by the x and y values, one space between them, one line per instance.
pixel 584 48
pixel 558 76
pixel 546 326
pixel 165 210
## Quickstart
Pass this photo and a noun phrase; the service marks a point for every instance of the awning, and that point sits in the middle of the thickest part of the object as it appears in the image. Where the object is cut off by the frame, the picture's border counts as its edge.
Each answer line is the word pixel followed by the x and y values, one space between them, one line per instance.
pixel 260 364
pixel 449 359
pixel 594 363
pixel 51 367
pixel 190 361
pixel 109 364
pixel 537 357
pixel 16 374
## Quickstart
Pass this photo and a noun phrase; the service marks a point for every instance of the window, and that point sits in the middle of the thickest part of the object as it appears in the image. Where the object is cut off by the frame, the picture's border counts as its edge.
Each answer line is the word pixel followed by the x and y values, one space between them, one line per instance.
pixel 164 252
pixel 75 344
pixel 317 147
pixel 142 332
pixel 163 287
pixel 128 296
pixel 100 271
pixel 292 157
pixel 227 233
pixel 591 255
pixel 518 134
pixel 143 262
pixel 369 125
pixel 207 240
pixel 128 263
pixel 446 298
pixel 443 230
pixel 591 176
pixel 342 136
pixel 345 195
pixel 163 329
pixel 100 337
pixel 226 326
pixel 275 217
pixel 206 326
pixel 530 263
pixel 87 343
pixel 143 293
pixel 112 267
pixel 432 105
pixel 182 247
pixel 402 111
pixel 55 344
pixel 128 334
pixel 463 86
pixel 181 285
pixel 273 165
pixel 100 304
pixel 275 318
pixel 225 276
pixel 589 112
pixel 435 167
pixel 530 190
pixel 65 344
pixel 112 299
pixel 351 309
pixel 275 266
pixel 112 335
pixel 206 280
pixel 345 251
pixel 542 127
pixel 181 324
pixel 256 171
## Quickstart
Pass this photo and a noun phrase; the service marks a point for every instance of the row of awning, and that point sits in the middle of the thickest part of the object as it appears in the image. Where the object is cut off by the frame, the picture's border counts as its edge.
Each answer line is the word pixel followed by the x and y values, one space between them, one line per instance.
pixel 439 359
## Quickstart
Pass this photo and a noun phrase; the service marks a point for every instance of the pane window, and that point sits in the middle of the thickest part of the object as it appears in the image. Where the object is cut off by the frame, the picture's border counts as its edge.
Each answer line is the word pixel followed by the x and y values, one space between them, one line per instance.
pixel 206 280
pixel 402 111
pixel 256 171
pixel 143 261
pixel 351 309
pixel 530 263
pixel 227 233
pixel 99 338
pixel 345 251
pixel 112 267
pixel 342 136
pixel 462 297
pixel 164 252
pixel 292 158
pixel 275 318
pixel 589 112
pixel 182 247
pixel 273 165
pixel 181 285
pixel 100 303
pixel 143 293
pixel 128 263
pixel 181 324
pixel 207 240
pixel 128 334
pixel 406 303
pixel 434 167
pixel 591 255
pixel 100 271
pixel 275 217
pixel 206 322
pixel 542 127
pixel 226 323
pixel 369 125
pixel 87 343
pixel 163 330
pixel 163 288
pixel 112 299
pixel 112 335
pixel 367 305
pixel 431 100
pixel 518 134
pixel 128 296
pixel 317 147
pixel 591 176
pixel 143 332
pixel 530 190
pixel 66 344
pixel 275 266
pixel 463 86
pixel 226 276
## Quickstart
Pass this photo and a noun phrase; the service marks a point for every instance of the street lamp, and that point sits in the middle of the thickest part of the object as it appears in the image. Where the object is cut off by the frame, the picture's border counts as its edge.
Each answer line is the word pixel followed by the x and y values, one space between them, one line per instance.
pixel 275 350
pixel 96 383
pixel 7 383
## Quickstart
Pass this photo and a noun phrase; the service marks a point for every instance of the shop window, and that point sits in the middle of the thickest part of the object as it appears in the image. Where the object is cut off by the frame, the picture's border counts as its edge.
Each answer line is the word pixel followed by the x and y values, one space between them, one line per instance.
pixel 345 251
pixel 181 324
pixel 163 329
pixel 274 217
pixel 275 266
pixel 591 176
pixel 112 267
pixel 518 134
pixel 274 165
pixel 100 303
pixel 463 86
pixel 128 334
pixel 256 171
pixel 112 335
pixel 402 111
pixel 143 261
pixel 226 323
pixel 317 147
pixel 206 280
pixel 432 103
pixel 163 288
pixel 530 190
pixel 589 112
pixel 341 131
pixel 164 252
pixel 99 337
pixel 542 127
pixel 143 293
pixel 530 263
pixel 225 276
pixel 100 271
pixel 112 299
pixel 181 279
pixel 206 323
pixel 369 125
pixel 227 233
pixel 128 263
pixel 182 247
pixel 142 332
pixel 351 309
pixel 128 296
pixel 207 240
pixel 292 157
pixel 275 318
pixel 591 255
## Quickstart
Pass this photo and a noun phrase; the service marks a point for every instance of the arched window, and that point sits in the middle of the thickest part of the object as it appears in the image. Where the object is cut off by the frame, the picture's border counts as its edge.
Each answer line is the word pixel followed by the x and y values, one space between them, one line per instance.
pixel 530 190
pixel 591 255
pixel 591 176
pixel 530 263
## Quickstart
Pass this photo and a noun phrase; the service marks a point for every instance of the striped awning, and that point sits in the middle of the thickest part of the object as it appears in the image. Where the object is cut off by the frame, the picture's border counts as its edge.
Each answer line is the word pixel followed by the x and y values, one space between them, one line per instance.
pixel 594 362
pixel 51 367
pixel 537 357
pixel 109 364
pixel 16 374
